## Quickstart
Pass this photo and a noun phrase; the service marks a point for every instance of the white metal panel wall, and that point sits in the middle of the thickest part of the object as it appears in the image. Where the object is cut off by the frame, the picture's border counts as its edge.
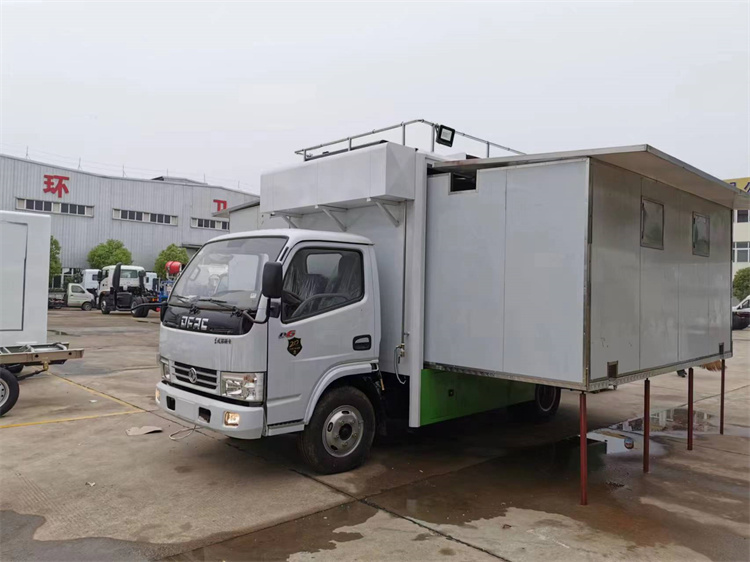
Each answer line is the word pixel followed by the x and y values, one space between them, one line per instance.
pixel 651 308
pixel 705 295
pixel 615 270
pixel 465 266
pixel 546 231
pixel 659 283
pixel 30 288
pixel 504 280
pixel 386 171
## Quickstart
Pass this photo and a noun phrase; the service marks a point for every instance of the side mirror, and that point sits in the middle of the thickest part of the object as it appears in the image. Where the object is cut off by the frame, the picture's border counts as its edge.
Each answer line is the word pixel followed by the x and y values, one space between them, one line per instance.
pixel 272 280
pixel 99 276
pixel 141 274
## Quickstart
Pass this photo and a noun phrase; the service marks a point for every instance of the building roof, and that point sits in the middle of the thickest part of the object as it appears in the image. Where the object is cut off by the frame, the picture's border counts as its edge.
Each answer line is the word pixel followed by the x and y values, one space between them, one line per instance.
pixel 642 159
pixel 296 235
pixel 224 213
pixel 156 181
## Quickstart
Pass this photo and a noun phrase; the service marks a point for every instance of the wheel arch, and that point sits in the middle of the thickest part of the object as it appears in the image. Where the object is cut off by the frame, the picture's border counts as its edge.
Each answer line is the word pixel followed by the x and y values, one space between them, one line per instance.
pixel 361 375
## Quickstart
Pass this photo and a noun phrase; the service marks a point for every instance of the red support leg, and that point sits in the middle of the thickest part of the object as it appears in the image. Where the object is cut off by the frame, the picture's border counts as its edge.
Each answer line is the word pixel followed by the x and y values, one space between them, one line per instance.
pixel 721 407
pixel 646 423
pixel 690 410
pixel 584 450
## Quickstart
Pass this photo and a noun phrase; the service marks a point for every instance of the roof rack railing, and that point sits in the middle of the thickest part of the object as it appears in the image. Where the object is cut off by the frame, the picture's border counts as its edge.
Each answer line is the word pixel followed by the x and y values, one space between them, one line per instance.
pixel 304 152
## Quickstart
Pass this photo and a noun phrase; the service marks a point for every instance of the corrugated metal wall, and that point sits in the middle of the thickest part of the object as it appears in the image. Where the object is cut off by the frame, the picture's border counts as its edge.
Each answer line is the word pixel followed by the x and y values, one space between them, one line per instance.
pixel 21 178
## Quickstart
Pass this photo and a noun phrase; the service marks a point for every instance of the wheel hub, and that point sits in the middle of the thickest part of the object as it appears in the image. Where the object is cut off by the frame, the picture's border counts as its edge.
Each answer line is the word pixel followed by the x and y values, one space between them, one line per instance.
pixel 4 392
pixel 342 431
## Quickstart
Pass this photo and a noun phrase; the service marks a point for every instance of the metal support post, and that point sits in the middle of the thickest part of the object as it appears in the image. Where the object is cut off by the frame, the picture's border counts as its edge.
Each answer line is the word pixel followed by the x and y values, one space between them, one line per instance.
pixel 403 134
pixel 584 450
pixel 646 423
pixel 488 150
pixel 690 410
pixel 721 406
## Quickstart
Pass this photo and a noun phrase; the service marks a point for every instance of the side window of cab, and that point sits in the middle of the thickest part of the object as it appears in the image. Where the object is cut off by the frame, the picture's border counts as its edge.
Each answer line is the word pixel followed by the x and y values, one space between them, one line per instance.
pixel 320 280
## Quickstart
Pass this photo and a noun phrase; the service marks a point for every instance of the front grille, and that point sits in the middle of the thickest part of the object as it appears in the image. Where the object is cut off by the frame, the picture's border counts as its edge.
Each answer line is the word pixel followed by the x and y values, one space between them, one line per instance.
pixel 206 378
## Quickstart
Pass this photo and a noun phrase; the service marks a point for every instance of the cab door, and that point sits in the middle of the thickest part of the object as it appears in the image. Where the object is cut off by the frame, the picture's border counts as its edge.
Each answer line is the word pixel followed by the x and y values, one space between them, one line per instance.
pixel 327 320
pixel 77 295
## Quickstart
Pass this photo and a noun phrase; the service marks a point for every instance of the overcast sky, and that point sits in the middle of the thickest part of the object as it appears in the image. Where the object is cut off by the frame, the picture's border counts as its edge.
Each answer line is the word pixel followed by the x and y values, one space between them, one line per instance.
pixel 232 89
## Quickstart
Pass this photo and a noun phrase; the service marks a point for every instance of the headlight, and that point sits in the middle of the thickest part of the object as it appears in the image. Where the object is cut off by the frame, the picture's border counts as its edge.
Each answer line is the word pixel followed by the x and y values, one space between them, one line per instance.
pixel 166 373
pixel 242 386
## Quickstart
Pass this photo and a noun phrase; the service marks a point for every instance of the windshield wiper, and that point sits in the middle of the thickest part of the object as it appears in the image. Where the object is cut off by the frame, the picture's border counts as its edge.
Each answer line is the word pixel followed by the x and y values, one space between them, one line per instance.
pixel 235 310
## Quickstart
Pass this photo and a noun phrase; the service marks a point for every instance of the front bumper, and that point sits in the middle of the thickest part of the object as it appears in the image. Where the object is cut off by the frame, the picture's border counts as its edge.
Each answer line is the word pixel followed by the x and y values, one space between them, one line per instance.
pixel 188 406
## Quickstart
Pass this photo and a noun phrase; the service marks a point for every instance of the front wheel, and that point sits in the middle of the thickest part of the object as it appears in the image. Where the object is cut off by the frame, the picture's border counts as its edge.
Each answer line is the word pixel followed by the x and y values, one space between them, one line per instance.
pixel 8 391
pixel 340 432
pixel 86 306
pixel 103 305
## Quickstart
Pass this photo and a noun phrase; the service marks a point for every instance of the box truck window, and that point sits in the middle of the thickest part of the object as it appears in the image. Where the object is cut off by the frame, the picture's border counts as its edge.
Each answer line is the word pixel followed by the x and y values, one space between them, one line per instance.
pixel 701 240
pixel 319 280
pixel 652 224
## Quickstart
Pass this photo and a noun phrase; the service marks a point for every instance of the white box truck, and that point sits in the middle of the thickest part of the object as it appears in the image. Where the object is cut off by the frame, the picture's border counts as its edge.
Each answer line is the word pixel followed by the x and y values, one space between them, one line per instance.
pixel 410 285
pixel 24 278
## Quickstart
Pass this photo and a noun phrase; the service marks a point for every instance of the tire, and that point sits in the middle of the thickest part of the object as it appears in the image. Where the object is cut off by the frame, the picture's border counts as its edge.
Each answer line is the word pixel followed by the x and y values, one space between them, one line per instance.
pixel 139 312
pixel 103 305
pixel 86 306
pixel 332 442
pixel 8 391
pixel 14 369
pixel 542 408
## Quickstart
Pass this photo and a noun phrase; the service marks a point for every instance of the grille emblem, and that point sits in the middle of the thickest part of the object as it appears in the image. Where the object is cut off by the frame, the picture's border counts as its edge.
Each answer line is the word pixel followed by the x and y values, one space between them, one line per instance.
pixel 193 375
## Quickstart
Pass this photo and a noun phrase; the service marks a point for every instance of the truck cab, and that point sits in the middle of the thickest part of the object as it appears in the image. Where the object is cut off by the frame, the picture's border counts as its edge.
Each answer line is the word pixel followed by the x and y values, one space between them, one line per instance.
pixel 260 325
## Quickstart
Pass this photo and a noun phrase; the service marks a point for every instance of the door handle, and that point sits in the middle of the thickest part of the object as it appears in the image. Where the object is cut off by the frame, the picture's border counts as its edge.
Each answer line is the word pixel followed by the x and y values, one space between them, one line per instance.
pixel 361 343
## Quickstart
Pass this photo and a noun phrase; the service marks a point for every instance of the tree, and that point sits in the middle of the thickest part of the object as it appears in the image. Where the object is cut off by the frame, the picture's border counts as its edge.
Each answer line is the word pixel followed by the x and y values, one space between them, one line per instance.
pixel 170 253
pixel 55 264
pixel 741 283
pixel 109 253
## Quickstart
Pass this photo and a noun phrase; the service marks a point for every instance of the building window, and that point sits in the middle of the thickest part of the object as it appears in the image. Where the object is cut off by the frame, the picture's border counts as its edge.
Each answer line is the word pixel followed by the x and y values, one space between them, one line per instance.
pixel 701 235
pixel 142 216
pixel 742 215
pixel 160 218
pixel 212 224
pixel 741 252
pixel 54 207
pixel 652 224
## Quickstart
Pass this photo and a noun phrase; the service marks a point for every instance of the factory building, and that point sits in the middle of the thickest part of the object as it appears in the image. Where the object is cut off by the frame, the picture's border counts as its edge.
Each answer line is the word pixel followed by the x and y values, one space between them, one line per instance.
pixel 741 231
pixel 87 209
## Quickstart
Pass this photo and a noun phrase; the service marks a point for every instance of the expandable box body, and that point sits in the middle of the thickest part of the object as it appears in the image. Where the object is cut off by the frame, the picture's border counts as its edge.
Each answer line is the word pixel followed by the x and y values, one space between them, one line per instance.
pixel 24 278
pixel 574 269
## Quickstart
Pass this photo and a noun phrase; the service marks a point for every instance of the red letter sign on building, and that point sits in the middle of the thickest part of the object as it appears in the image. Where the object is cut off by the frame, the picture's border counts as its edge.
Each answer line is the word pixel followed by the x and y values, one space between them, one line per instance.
pixel 220 205
pixel 58 187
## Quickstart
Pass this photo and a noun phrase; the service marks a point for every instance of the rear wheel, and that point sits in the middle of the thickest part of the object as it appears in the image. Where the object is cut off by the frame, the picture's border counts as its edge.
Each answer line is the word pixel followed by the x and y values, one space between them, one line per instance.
pixel 8 391
pixel 544 405
pixel 340 433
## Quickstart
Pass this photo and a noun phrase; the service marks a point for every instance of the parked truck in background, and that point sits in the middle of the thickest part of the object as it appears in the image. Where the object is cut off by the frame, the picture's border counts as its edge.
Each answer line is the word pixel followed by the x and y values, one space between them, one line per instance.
pixel 122 288
pixel 407 286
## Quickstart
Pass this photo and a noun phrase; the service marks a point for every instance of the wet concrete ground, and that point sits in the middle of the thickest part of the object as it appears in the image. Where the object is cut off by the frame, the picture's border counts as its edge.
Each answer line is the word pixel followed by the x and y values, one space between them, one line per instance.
pixel 74 486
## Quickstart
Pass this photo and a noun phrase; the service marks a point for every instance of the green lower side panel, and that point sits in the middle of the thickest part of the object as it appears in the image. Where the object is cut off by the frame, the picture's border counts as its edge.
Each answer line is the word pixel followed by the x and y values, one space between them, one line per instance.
pixel 445 395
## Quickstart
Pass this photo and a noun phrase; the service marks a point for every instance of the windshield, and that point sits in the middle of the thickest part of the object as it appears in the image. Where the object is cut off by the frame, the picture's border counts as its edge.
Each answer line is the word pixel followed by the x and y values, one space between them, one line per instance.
pixel 229 271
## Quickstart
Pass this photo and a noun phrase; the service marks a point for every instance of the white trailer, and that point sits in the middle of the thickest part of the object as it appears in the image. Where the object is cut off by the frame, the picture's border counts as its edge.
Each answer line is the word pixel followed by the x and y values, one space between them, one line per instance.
pixel 480 283
pixel 24 276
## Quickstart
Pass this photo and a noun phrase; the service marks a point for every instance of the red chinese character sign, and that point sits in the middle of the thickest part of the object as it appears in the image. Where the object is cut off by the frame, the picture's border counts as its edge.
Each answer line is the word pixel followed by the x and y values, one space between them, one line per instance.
pixel 220 205
pixel 55 184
